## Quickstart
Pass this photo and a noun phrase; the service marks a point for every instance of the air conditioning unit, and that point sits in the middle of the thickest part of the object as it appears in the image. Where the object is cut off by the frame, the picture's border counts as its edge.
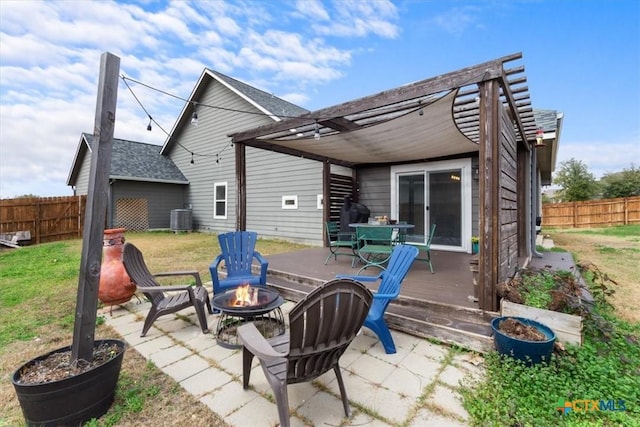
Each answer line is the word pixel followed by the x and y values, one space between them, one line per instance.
pixel 181 220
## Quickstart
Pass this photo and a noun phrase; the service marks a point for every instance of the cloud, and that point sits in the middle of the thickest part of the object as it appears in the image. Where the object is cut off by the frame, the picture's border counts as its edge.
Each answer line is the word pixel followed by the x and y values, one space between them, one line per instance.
pixel 619 155
pixel 49 64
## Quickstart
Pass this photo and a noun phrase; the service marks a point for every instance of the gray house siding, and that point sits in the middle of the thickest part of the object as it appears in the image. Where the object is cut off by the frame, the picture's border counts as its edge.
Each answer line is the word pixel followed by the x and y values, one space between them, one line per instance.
pixel 82 183
pixel 375 190
pixel 129 198
pixel 272 176
pixel 269 175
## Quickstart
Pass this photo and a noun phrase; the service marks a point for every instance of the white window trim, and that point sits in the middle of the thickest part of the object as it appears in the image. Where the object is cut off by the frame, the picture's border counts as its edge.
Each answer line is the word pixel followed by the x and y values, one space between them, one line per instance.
pixel 319 202
pixel 215 201
pixel 465 165
pixel 286 202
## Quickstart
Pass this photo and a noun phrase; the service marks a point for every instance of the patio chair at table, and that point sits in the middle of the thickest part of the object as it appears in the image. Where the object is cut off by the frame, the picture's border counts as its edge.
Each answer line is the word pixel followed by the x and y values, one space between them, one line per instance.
pixel 375 244
pixel 340 243
pixel 165 299
pixel 425 247
pixel 388 289
pixel 238 254
pixel 322 325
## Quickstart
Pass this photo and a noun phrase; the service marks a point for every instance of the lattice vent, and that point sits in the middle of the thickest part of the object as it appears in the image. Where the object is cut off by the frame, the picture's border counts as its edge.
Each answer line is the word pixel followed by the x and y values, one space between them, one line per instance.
pixel 132 214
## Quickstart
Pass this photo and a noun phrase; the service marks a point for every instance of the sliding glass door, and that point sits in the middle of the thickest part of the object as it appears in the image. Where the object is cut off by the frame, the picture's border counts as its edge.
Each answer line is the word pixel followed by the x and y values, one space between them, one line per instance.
pixel 435 193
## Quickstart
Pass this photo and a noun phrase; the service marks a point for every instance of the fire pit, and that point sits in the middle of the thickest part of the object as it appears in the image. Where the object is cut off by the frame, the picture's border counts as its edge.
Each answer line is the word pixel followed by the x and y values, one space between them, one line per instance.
pixel 246 303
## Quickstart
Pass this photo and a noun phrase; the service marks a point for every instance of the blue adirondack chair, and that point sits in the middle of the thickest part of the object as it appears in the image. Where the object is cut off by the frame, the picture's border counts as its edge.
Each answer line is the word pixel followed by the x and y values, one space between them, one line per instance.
pixel 237 251
pixel 390 279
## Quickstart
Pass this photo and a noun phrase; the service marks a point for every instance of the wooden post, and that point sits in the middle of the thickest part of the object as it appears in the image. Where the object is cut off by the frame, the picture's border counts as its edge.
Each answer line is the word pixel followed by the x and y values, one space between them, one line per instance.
pixel 241 187
pixel 91 259
pixel 489 257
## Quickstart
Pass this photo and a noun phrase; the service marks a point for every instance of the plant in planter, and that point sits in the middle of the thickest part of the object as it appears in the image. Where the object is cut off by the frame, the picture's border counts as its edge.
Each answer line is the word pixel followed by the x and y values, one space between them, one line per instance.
pixel 73 384
pixel 523 339
pixel 475 242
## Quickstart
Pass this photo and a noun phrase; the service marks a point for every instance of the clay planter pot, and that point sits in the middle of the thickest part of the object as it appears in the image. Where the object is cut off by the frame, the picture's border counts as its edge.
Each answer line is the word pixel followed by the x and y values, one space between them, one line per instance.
pixel 70 401
pixel 530 352
pixel 115 284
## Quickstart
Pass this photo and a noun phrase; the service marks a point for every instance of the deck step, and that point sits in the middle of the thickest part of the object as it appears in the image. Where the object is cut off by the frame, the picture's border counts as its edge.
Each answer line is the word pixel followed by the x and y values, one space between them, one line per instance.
pixel 468 328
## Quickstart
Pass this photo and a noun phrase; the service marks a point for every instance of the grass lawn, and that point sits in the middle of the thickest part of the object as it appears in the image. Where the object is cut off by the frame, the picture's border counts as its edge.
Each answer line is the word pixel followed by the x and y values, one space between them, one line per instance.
pixel 38 287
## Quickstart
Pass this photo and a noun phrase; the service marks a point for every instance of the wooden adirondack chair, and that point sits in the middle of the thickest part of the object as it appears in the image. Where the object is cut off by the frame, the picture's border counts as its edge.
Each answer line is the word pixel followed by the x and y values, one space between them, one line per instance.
pixel 322 325
pixel 165 299
pixel 390 279
pixel 238 254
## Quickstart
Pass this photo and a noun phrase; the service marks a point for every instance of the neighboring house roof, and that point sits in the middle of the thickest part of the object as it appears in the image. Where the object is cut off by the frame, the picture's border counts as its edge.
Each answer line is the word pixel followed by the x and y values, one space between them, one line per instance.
pixel 267 103
pixel 131 160
pixel 550 121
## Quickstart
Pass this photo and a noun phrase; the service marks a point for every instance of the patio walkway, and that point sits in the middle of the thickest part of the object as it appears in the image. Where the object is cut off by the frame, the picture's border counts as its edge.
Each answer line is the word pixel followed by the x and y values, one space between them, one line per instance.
pixel 417 386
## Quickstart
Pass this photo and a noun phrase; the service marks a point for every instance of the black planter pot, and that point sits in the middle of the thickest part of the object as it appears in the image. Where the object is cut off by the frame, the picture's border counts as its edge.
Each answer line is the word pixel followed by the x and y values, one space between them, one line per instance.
pixel 70 401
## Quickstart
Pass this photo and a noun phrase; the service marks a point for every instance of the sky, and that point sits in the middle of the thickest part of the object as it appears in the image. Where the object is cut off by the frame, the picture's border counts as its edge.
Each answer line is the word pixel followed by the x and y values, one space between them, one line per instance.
pixel 581 58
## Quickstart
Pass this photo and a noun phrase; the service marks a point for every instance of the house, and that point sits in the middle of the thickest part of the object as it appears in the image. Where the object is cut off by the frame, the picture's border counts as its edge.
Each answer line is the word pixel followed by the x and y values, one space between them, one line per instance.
pixel 143 186
pixel 458 150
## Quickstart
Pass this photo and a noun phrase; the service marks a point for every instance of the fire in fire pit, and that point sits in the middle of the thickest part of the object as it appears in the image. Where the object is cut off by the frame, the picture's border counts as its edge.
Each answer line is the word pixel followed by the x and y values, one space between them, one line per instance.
pixel 246 303
pixel 246 298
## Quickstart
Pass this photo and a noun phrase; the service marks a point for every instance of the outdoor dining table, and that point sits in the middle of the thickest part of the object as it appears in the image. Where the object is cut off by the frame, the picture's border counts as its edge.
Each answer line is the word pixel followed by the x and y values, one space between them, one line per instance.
pixel 376 251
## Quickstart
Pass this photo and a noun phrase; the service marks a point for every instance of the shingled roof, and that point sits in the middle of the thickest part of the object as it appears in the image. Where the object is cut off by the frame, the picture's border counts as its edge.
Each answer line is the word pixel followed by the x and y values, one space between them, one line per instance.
pixel 133 161
pixel 273 104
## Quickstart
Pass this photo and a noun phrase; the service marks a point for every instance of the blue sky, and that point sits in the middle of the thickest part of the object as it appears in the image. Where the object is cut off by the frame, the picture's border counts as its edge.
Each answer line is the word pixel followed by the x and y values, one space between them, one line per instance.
pixel 581 58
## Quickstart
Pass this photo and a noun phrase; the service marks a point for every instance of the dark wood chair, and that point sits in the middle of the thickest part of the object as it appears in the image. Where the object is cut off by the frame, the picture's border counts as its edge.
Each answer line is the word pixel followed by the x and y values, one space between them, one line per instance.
pixel 238 253
pixel 165 299
pixel 322 326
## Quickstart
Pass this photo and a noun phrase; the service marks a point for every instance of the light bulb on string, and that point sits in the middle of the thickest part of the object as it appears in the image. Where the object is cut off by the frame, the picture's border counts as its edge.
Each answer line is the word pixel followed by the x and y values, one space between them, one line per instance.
pixel 194 115
pixel 316 134
pixel 192 162
pixel 149 125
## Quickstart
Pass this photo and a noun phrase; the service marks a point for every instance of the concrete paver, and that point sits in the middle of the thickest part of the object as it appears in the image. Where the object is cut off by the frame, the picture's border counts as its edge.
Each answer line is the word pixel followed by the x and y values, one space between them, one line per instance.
pixel 417 386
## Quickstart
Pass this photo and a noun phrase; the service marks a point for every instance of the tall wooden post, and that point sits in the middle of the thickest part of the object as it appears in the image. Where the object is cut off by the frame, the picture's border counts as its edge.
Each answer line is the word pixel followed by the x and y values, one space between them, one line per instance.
pixel 489 259
pixel 95 213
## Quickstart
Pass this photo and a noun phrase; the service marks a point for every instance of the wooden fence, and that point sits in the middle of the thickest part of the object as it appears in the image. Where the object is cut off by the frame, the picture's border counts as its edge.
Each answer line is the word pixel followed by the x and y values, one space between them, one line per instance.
pixel 592 213
pixel 48 219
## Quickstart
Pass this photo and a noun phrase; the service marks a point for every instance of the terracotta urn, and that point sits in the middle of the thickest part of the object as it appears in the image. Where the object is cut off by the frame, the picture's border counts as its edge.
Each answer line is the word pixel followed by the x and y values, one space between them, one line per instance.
pixel 115 286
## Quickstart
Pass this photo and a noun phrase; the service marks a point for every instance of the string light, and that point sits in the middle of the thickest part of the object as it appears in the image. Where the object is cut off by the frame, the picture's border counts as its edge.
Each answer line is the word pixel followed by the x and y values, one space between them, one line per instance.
pixel 194 116
pixel 149 125
pixel 192 162
pixel 316 134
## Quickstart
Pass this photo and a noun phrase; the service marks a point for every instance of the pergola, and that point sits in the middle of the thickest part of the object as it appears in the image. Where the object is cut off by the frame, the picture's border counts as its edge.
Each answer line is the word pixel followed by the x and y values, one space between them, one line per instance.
pixel 483 109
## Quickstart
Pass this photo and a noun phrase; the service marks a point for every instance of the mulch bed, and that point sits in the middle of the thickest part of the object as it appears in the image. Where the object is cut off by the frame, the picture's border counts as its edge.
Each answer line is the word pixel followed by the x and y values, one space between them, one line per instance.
pixel 58 366
pixel 516 329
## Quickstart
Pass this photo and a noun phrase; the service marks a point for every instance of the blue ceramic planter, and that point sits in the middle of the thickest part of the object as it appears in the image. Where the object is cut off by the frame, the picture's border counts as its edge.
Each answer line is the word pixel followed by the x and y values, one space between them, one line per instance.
pixel 531 352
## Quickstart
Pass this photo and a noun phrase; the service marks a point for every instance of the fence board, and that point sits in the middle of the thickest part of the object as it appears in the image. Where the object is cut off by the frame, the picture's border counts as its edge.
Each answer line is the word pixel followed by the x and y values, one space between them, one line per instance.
pixel 48 219
pixel 592 213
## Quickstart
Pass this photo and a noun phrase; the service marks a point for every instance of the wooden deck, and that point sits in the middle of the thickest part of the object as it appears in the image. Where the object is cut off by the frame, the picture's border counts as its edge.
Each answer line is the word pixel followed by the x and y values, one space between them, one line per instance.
pixel 451 283
pixel 430 305
pixel 438 305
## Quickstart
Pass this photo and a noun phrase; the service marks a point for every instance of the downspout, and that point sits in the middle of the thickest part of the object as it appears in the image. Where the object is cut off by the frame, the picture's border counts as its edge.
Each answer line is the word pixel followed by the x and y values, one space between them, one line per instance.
pixel 535 202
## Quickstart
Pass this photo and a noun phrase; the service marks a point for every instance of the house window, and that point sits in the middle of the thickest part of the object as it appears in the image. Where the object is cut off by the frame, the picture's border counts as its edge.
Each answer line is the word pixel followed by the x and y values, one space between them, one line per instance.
pixel 289 202
pixel 220 200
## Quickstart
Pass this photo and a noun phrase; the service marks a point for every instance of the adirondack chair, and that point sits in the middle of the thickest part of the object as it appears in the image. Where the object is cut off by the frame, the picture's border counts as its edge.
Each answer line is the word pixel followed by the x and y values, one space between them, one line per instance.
pixel 389 288
pixel 237 251
pixel 165 299
pixel 322 325
pixel 340 243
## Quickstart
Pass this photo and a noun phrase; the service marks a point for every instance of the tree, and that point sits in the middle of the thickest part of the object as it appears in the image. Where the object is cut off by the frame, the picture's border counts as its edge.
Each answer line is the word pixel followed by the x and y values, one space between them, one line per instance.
pixel 621 184
pixel 575 181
